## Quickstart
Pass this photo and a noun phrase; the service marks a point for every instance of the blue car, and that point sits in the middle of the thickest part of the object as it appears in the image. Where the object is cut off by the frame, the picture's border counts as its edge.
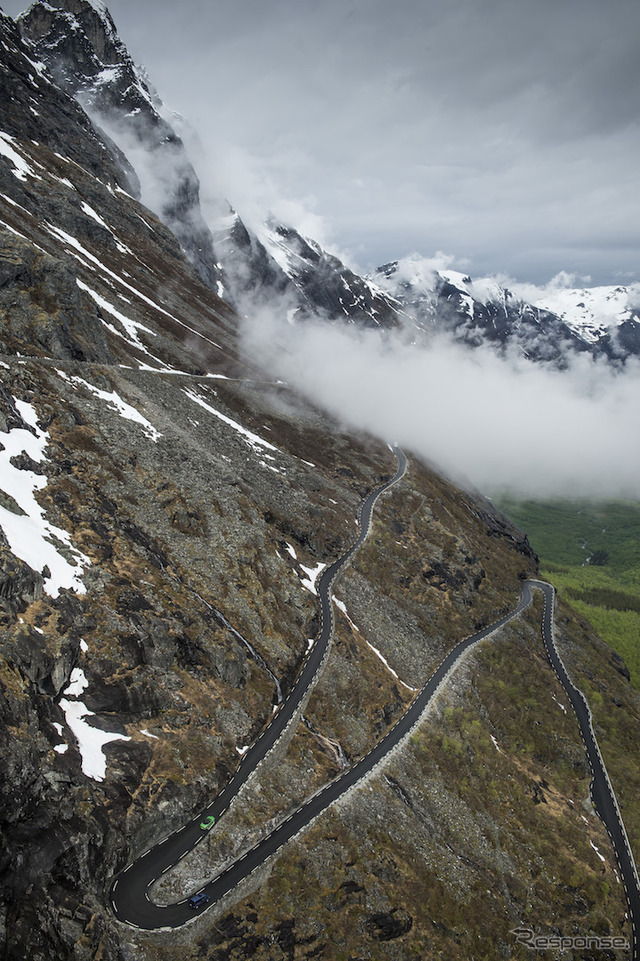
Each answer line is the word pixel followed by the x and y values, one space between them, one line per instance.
pixel 198 900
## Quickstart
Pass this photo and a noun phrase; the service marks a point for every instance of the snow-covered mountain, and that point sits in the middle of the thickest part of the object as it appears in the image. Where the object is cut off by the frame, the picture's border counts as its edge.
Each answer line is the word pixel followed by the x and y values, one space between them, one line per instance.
pixel 324 282
pixel 274 263
pixel 608 317
pixel 78 41
pixel 550 325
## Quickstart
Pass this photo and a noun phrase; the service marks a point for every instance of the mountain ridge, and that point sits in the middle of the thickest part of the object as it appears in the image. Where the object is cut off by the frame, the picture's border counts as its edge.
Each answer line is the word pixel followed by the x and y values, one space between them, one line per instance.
pixel 79 42
pixel 552 326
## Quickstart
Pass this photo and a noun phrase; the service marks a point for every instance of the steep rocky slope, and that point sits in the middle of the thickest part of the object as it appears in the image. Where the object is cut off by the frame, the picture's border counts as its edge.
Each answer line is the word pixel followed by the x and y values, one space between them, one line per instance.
pixel 164 506
pixel 79 43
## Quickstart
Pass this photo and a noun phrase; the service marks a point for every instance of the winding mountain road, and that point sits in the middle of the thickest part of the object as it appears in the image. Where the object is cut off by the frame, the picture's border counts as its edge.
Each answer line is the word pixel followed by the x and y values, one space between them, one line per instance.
pixel 129 893
pixel 602 793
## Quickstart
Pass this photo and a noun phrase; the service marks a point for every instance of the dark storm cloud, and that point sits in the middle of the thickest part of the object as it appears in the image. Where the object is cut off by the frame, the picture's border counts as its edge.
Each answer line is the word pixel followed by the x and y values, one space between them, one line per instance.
pixel 503 131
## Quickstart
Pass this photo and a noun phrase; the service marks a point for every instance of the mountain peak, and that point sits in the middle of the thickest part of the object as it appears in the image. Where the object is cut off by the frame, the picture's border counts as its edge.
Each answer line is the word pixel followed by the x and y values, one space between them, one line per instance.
pixel 79 43
pixel 94 19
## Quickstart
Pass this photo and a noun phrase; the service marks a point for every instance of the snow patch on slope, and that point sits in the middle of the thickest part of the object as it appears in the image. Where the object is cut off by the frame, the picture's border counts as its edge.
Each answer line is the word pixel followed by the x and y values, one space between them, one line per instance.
pixel 21 169
pixel 253 440
pixel 90 739
pixel 131 326
pixel 116 402
pixel 313 573
pixel 342 607
pixel 31 536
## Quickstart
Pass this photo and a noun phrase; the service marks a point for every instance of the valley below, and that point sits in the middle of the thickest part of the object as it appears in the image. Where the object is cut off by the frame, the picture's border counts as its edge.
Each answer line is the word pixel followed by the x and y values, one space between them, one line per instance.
pixel 590 551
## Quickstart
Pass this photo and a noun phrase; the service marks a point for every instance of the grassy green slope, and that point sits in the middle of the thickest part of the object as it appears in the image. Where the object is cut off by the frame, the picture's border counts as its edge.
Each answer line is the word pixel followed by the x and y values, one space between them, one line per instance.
pixel 568 537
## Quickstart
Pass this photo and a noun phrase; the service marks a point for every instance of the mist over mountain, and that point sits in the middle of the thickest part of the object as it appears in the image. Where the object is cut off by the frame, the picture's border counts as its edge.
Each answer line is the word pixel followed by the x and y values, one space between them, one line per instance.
pixel 476 353
pixel 520 337
pixel 93 64
pixel 192 413
pixel 494 421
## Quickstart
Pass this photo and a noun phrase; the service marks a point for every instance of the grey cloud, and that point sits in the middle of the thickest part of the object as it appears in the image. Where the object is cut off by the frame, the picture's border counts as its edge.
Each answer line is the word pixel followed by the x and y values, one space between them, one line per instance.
pixel 495 423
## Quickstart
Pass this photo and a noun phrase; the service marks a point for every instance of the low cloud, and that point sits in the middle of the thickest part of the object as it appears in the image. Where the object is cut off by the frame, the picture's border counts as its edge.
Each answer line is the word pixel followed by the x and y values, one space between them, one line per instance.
pixel 497 423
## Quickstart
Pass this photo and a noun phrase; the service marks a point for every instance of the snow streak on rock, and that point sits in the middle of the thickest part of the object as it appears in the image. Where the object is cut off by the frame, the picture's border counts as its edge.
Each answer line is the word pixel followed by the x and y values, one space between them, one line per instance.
pixel 90 739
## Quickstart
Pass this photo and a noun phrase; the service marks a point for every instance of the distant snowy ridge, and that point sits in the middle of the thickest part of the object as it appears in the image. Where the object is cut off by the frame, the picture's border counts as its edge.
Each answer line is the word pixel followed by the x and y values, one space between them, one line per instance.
pixel 592 311
pixel 544 323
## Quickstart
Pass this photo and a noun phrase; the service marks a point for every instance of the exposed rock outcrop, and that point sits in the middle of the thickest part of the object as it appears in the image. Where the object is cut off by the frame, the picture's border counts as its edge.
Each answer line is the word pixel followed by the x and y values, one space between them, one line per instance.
pixel 19 584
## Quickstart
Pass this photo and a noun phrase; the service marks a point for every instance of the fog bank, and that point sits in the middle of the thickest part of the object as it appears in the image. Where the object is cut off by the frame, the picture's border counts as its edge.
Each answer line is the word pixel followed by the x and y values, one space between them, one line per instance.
pixel 499 423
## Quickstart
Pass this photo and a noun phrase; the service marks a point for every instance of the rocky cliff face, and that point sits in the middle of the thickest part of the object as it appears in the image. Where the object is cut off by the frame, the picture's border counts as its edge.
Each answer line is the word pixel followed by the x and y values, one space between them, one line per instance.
pixel 78 42
pixel 164 506
pixel 327 287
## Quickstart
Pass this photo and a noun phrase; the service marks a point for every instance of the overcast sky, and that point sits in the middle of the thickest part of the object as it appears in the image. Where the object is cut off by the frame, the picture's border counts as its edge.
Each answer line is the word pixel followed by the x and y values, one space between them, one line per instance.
pixel 505 133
